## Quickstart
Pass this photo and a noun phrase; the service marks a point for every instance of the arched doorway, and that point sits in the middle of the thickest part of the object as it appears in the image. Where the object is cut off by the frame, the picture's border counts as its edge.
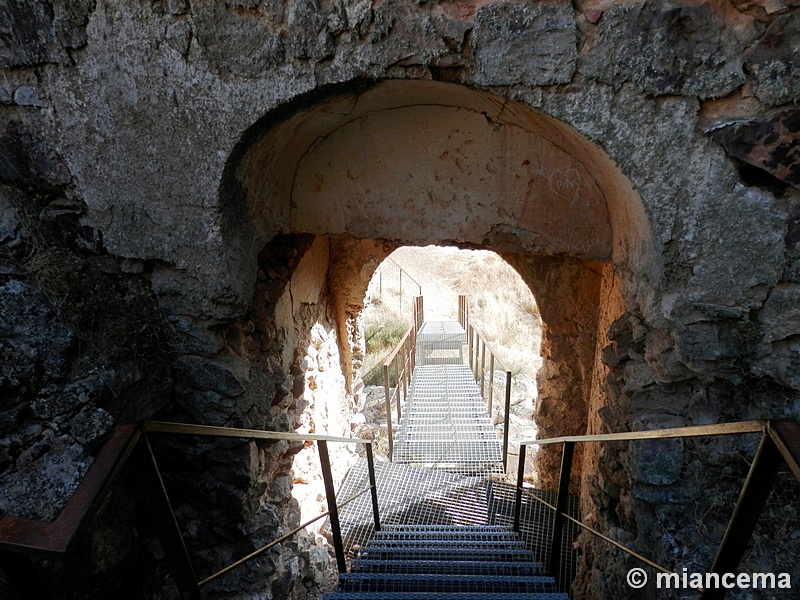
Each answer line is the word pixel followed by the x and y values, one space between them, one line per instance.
pixel 377 166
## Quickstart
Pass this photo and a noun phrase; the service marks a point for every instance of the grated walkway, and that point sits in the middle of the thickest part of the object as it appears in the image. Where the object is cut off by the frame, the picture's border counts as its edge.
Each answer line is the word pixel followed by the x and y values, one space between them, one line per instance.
pixel 441 343
pixel 444 423
pixel 445 483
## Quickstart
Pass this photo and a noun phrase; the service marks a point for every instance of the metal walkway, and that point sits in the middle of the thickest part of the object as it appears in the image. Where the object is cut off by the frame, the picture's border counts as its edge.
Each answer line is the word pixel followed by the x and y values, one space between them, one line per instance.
pixel 423 562
pixel 445 423
pixel 444 501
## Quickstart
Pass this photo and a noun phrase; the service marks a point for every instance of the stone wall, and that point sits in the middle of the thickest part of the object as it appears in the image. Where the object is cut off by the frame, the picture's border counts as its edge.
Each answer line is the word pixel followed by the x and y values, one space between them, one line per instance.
pixel 194 194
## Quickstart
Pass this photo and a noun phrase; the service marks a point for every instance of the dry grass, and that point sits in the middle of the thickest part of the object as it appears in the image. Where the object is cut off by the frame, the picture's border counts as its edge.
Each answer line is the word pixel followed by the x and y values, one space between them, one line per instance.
pixel 383 329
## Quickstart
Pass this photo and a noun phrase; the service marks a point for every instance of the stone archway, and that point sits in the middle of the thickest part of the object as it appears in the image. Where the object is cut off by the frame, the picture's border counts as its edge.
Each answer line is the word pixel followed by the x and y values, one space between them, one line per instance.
pixel 421 162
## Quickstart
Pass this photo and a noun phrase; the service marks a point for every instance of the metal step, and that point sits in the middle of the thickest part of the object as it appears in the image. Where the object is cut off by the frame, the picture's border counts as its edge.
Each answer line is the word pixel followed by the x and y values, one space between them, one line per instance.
pixel 442 596
pixel 445 422
pixel 463 536
pixel 465 567
pixel 466 545
pixel 426 553
pixel 439 583
pixel 434 528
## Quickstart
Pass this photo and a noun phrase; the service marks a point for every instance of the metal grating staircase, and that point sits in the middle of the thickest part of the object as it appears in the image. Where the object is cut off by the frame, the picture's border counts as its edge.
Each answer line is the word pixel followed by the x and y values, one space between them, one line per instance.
pixel 446 531
pixel 445 562
pixel 445 424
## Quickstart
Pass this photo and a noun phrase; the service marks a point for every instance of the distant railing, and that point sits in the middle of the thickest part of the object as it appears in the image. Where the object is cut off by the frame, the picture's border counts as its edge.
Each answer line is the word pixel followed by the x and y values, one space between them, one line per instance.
pixel 20 538
pixel 388 272
pixel 477 349
pixel 780 444
pixel 401 364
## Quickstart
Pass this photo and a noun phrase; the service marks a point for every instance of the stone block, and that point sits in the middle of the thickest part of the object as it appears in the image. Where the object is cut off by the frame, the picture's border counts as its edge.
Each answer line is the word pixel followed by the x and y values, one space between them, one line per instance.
pixel 220 375
pixel 188 336
pixel 533 44
pixel 779 318
pixel 209 408
pixel 669 47
pixel 179 36
pixel 775 61
pixel 239 43
pixel 41 488
pixel 29 34
pixel 659 461
pixel 33 334
pixel 27 96
pixel 90 426
pixel 783 363
pixel 767 141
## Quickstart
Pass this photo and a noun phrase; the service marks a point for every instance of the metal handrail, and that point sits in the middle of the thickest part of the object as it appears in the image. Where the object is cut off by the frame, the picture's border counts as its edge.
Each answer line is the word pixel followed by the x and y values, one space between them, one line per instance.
pixel 404 350
pixel 402 360
pixel 20 537
pixel 279 540
pixel 780 444
pixel 325 464
pixel 601 536
pixel 58 536
pixel 253 434
pixel 477 346
pixel 754 426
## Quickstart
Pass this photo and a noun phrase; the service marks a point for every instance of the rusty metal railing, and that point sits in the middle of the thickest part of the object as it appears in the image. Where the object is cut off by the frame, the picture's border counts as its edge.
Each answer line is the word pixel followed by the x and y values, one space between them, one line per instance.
pixel 20 539
pixel 477 350
pixel 401 363
pixel 780 444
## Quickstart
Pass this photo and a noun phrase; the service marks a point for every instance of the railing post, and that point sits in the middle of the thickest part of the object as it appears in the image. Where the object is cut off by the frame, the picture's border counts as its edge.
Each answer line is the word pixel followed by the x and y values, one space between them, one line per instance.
pixel 406 369
pixel 786 435
pixel 561 505
pixel 398 387
pixel 507 420
pixel 469 347
pixel 401 291
pixel 330 494
pixel 520 481
pixel 24 576
pixel 403 368
pixel 413 350
pixel 483 370
pixel 388 409
pixel 752 499
pixel 165 525
pixel 410 344
pixel 374 486
pixel 491 382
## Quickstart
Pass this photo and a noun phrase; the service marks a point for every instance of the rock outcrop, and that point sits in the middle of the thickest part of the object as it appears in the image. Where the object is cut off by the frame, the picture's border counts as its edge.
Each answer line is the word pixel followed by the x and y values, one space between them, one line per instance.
pixel 193 196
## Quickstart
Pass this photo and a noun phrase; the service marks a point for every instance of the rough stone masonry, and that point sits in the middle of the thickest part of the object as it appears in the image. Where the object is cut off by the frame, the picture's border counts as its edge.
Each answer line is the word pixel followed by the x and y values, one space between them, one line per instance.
pixel 194 194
